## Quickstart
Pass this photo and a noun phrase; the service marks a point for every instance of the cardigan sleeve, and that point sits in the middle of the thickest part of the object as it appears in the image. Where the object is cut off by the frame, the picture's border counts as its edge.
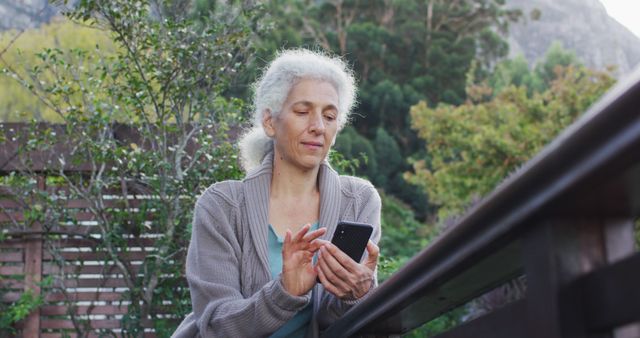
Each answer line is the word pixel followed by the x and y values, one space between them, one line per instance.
pixel 214 276
pixel 367 211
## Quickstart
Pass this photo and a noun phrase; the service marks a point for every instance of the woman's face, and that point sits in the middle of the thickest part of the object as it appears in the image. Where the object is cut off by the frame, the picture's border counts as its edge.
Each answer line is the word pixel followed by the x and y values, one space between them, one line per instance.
pixel 307 125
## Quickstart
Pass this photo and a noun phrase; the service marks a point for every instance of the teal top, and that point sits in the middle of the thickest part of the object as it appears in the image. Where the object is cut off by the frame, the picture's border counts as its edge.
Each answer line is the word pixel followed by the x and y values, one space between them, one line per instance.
pixel 296 326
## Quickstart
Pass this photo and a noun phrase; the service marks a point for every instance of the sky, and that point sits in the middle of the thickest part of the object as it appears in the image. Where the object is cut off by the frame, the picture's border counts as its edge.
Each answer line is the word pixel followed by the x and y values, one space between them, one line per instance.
pixel 626 12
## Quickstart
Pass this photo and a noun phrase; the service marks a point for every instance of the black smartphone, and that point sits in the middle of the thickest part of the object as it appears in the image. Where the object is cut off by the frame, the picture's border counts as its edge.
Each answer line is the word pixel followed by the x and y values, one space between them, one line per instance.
pixel 352 238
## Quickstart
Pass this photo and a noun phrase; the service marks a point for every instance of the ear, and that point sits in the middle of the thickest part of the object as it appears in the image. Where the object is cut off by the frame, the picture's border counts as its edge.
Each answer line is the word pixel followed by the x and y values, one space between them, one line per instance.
pixel 267 123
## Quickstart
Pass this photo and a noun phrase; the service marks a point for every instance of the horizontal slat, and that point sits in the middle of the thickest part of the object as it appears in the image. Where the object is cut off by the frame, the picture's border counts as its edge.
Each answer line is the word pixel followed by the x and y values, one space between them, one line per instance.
pixel 11 244
pixel 67 324
pixel 112 203
pixel 80 216
pixel 84 296
pixel 56 310
pixel 19 216
pixel 91 334
pixel 96 256
pixel 50 268
pixel 83 204
pixel 61 310
pixel 611 295
pixel 9 204
pixel 74 283
pixel 85 242
pixel 12 270
pixel 95 282
pixel 12 284
pixel 11 257
pixel 96 324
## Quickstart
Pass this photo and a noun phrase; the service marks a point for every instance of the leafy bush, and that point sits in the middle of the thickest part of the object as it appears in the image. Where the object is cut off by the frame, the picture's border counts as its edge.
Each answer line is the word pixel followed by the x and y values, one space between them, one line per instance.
pixel 163 87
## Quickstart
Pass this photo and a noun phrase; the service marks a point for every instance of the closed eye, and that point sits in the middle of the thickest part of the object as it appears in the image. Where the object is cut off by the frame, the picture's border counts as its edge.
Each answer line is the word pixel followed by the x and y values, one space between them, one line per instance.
pixel 330 117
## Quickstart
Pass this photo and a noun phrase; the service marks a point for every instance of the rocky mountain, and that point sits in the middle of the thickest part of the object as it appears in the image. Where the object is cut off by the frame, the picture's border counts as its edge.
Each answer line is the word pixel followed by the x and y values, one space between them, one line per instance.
pixel 579 25
pixel 23 14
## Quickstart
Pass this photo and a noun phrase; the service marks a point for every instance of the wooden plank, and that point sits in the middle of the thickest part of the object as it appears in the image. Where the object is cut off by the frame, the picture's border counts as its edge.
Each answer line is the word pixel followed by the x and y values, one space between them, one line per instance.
pixel 555 253
pixel 110 203
pixel 86 242
pixel 11 244
pixel 95 282
pixel 85 296
pixel 620 244
pixel 97 256
pixel 58 310
pixel 18 216
pixel 117 309
pixel 611 295
pixel 67 324
pixel 95 324
pixel 12 270
pixel 12 284
pixel 33 272
pixel 91 334
pixel 51 268
pixel 10 204
pixel 11 257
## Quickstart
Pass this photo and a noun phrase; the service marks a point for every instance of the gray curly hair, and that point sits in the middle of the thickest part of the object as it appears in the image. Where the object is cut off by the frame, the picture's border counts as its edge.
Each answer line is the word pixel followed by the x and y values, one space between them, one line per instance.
pixel 273 87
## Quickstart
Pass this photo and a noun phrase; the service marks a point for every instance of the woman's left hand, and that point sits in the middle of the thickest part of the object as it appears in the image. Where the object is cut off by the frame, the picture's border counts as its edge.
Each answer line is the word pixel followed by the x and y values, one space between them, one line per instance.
pixel 341 275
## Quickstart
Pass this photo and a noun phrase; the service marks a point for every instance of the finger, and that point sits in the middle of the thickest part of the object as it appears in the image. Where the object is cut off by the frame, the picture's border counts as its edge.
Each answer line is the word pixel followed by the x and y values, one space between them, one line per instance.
pixel 314 234
pixel 342 258
pixel 298 236
pixel 286 243
pixel 373 252
pixel 334 272
pixel 316 244
pixel 327 284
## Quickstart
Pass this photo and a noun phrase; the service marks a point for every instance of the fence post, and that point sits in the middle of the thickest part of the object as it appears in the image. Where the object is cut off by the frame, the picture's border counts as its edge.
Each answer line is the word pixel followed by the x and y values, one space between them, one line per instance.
pixel 620 244
pixel 33 270
pixel 555 253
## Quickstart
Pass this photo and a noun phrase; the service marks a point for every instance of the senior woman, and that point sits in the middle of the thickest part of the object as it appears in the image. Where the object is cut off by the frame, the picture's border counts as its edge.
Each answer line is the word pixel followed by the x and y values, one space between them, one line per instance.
pixel 260 245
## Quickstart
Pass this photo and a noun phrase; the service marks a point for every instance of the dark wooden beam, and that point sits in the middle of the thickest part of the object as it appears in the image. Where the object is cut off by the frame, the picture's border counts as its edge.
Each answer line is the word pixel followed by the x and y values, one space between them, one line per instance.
pixel 611 295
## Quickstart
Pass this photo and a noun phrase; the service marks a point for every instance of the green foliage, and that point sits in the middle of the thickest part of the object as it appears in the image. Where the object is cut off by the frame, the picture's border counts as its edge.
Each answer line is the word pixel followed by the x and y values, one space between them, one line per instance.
pixel 17 102
pixel 476 145
pixel 11 313
pixel 388 157
pixel 403 236
pixel 555 57
pixel 516 72
pixel 164 84
pixel 402 52
pixel 353 145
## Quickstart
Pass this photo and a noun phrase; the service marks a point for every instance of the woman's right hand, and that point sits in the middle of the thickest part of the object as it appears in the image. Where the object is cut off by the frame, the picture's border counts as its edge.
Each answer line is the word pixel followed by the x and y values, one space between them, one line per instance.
pixel 298 273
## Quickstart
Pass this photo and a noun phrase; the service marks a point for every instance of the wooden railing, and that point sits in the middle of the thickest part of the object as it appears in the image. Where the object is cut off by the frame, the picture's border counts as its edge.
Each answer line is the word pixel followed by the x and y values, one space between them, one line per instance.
pixel 565 222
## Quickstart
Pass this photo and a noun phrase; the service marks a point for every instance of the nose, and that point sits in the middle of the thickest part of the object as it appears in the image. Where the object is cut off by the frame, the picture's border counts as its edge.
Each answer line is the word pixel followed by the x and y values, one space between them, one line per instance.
pixel 316 125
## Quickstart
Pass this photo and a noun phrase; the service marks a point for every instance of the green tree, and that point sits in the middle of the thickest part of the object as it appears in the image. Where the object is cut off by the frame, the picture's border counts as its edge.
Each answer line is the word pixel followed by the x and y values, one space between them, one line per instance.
pixel 165 82
pixel 402 52
pixel 17 103
pixel 475 145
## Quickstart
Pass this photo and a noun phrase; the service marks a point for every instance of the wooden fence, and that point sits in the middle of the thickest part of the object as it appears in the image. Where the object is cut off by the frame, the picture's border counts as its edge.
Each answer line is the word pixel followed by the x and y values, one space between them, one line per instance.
pixel 85 296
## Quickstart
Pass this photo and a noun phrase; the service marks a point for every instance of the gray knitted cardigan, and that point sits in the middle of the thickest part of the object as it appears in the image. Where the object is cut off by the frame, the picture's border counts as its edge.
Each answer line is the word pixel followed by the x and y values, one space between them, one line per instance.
pixel 232 293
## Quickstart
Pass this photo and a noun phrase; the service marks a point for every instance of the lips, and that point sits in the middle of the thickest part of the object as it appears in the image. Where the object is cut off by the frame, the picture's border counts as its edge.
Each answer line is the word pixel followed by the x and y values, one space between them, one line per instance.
pixel 312 145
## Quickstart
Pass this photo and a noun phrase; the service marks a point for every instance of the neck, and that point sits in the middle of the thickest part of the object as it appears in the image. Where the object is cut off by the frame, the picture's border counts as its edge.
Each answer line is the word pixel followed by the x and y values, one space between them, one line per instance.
pixel 290 181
